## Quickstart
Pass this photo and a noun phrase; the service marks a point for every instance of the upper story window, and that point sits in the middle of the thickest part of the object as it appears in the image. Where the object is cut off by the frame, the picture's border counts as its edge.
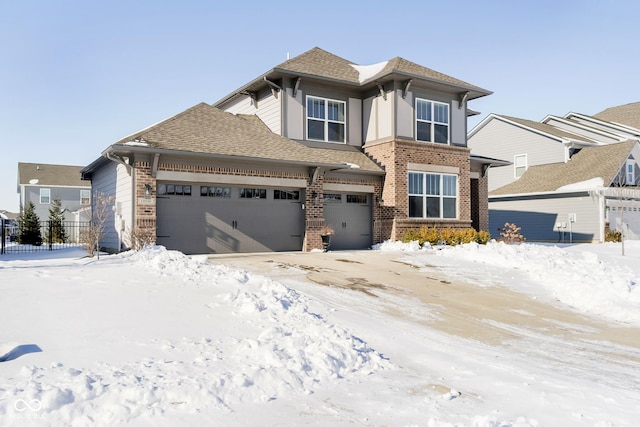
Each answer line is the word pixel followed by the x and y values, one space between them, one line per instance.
pixel 326 119
pixel 85 197
pixel 519 165
pixel 432 121
pixel 45 196
pixel 432 195
pixel 631 172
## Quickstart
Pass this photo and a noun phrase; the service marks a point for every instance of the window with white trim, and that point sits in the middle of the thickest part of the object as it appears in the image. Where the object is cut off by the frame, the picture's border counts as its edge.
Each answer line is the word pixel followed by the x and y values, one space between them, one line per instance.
pixel 85 197
pixel 631 172
pixel 433 195
pixel 432 121
pixel 326 119
pixel 45 196
pixel 519 165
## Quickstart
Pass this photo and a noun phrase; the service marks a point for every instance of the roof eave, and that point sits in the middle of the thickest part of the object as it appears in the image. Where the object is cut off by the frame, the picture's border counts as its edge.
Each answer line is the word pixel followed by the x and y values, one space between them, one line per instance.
pixel 127 149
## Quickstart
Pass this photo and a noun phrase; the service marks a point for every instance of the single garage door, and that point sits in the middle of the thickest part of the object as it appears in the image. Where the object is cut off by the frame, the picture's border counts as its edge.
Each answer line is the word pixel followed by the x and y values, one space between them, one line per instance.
pixel 206 218
pixel 350 216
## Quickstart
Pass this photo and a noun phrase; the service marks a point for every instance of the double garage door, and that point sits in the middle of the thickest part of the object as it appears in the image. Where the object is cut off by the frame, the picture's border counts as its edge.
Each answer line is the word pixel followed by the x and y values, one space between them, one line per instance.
pixel 206 218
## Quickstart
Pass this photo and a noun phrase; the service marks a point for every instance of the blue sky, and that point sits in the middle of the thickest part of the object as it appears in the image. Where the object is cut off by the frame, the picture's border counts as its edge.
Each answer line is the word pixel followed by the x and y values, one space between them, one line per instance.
pixel 76 76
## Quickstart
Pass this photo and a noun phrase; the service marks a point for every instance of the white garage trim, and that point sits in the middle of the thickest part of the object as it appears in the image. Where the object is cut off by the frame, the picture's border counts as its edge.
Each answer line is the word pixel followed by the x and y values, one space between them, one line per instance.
pixel 348 188
pixel 231 179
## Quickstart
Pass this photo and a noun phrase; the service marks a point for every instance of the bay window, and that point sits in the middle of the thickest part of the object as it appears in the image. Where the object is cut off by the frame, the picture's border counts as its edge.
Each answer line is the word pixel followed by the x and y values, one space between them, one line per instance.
pixel 326 119
pixel 433 195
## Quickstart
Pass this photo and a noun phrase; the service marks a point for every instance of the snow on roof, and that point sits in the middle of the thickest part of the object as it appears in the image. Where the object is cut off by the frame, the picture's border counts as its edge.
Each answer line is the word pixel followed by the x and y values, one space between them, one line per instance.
pixel 368 71
pixel 589 184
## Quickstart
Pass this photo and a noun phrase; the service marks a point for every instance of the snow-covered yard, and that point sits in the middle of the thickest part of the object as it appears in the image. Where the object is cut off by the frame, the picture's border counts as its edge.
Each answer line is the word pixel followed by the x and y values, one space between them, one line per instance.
pixel 156 338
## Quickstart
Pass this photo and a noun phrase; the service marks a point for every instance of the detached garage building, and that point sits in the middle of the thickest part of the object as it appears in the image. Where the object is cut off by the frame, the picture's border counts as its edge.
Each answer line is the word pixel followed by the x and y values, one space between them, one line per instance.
pixel 372 151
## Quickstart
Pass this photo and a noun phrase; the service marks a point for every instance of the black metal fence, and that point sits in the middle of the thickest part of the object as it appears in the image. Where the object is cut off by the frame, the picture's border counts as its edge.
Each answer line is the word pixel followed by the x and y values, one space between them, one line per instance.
pixel 52 236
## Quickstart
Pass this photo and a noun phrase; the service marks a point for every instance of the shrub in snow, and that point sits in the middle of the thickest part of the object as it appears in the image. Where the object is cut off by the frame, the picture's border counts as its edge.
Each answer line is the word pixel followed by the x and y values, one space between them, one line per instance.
pixel 510 233
pixel 448 236
pixel 613 236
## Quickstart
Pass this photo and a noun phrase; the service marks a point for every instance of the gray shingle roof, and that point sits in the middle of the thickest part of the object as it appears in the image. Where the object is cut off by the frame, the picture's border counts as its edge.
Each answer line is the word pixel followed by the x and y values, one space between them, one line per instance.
pixel 628 114
pixel 54 175
pixel 319 62
pixel 208 130
pixel 591 162
pixel 543 127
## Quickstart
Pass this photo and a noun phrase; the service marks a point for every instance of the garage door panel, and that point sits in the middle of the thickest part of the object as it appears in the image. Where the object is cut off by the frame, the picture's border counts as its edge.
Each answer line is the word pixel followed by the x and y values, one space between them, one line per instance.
pixel 350 216
pixel 216 224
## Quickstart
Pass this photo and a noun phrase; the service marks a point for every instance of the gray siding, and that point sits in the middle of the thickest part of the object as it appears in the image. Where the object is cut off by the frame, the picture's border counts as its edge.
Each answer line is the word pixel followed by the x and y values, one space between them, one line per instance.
pixel 405 116
pixel 355 122
pixel 294 115
pixel 104 183
pixel 123 221
pixel 458 131
pixel 69 197
pixel 378 118
pixel 538 217
pixel 501 140
pixel 268 109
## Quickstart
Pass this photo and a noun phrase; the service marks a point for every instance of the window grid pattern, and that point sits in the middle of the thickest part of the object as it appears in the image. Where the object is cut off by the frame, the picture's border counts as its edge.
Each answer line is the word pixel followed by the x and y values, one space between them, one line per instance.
pixel 432 121
pixel 85 197
pixel 286 195
pixel 253 193
pixel 174 190
pixel 212 191
pixel 326 119
pixel 433 195
pixel 519 165
pixel 45 196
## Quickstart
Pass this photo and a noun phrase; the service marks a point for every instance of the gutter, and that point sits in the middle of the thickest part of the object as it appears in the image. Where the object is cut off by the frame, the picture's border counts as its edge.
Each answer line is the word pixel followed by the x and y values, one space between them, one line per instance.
pixel 150 151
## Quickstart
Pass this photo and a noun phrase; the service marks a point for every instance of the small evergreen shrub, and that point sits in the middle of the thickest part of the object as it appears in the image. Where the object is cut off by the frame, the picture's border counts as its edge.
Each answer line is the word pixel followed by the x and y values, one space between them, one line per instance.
pixel 613 236
pixel 29 226
pixel 450 236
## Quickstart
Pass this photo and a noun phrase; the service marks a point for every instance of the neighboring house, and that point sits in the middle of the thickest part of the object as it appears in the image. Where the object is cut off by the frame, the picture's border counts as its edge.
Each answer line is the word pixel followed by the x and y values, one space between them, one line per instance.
pixel 566 175
pixel 370 150
pixel 42 183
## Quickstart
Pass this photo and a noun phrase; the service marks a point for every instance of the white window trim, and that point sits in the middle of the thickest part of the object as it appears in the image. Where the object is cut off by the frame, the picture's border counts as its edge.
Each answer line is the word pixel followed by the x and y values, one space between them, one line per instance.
pixel 432 122
pixel 326 119
pixel 45 192
pixel 441 196
pixel 87 197
pixel 515 165
pixel 630 176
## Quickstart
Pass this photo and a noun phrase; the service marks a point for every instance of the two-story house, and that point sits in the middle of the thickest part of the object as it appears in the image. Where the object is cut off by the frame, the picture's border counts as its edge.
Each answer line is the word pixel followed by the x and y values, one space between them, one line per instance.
pixel 370 150
pixel 564 182
pixel 41 184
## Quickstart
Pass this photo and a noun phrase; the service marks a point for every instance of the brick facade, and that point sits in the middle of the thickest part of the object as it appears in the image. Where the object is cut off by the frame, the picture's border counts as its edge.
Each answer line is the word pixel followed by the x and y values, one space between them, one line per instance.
pixel 145 212
pixel 394 156
pixel 145 207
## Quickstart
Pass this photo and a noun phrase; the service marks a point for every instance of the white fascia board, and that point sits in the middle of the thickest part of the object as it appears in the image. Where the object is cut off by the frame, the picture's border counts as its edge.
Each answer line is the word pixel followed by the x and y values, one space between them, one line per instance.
pixel 482 124
pixel 539 132
pixel 587 128
pixel 614 125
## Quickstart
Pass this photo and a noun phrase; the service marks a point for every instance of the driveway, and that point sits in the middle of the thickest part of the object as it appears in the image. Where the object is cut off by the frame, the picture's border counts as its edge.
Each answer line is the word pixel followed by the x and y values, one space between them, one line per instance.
pixel 492 315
